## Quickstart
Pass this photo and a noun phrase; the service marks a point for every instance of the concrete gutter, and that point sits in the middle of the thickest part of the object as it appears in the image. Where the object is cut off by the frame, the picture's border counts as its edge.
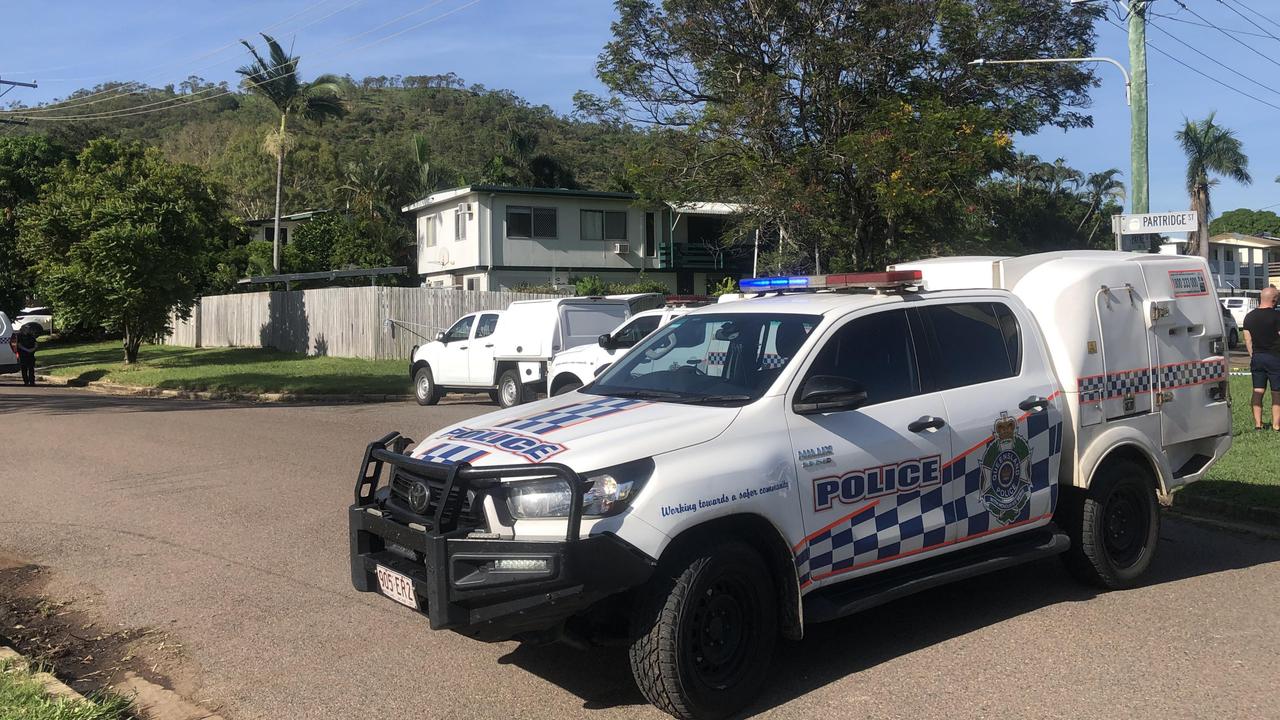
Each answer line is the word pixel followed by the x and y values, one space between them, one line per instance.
pixel 111 388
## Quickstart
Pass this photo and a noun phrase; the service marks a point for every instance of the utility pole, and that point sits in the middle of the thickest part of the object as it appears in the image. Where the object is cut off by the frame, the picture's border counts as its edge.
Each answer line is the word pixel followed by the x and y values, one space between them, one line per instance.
pixel 6 121
pixel 1140 172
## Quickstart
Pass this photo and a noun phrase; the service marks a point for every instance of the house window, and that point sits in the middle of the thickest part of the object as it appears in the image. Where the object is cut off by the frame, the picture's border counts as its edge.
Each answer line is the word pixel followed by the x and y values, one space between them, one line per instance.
pixel 459 226
pixel 1214 265
pixel 604 225
pixel 271 234
pixel 429 231
pixel 471 283
pixel 531 222
pixel 650 234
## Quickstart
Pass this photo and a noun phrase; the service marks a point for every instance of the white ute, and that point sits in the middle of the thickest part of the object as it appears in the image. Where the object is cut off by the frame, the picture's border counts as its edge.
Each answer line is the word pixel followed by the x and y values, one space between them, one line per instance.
pixel 575 367
pixel 754 468
pixel 506 353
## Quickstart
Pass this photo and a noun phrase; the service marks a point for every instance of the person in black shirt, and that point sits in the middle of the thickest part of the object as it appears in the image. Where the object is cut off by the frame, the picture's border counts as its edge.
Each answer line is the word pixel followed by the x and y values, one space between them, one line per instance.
pixel 27 355
pixel 1262 338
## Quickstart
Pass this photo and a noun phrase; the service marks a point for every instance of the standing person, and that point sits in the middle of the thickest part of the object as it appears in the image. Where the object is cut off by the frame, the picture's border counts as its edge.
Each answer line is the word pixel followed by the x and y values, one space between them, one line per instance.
pixel 1262 339
pixel 27 355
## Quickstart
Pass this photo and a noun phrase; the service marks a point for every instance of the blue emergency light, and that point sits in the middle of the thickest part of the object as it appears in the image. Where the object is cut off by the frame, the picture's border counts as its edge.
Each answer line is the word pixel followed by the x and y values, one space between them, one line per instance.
pixel 762 284
pixel 890 279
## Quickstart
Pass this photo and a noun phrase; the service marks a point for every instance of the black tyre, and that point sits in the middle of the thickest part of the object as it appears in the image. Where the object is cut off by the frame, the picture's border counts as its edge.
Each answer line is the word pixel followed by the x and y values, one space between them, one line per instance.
pixel 1114 526
pixel 425 389
pixel 567 386
pixel 1234 340
pixel 704 632
pixel 511 391
pixel 33 328
pixel 493 396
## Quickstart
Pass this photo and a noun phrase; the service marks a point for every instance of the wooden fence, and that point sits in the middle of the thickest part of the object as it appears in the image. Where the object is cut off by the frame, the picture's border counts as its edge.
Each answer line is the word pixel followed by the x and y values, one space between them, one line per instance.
pixel 364 322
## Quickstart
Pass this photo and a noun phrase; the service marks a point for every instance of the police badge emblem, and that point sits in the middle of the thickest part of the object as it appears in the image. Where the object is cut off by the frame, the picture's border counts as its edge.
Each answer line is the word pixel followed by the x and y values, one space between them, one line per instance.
pixel 1006 471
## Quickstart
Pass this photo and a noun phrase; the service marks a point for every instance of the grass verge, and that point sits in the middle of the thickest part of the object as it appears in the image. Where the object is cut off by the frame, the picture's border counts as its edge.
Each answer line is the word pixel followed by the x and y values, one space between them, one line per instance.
pixel 244 370
pixel 1250 473
pixel 22 697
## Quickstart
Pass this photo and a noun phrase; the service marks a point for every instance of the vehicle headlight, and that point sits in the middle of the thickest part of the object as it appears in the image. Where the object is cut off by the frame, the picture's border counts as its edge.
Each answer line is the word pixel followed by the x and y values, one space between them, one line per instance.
pixel 608 492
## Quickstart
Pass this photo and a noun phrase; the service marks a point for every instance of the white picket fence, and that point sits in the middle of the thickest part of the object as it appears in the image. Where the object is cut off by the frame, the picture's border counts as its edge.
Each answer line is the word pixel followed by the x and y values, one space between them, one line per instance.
pixel 363 322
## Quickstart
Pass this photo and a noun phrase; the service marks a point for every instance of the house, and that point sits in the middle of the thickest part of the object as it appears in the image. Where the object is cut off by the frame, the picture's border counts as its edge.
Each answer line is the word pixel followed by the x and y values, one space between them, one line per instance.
pixel 264 229
pixel 492 237
pixel 1238 261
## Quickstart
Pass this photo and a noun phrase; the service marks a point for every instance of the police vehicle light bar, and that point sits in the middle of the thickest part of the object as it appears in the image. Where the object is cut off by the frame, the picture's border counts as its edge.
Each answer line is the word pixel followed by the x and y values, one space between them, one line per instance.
pixel 893 278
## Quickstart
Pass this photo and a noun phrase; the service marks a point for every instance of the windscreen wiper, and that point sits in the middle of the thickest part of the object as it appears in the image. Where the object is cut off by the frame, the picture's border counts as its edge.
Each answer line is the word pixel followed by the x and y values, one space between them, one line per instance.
pixel 714 399
pixel 643 394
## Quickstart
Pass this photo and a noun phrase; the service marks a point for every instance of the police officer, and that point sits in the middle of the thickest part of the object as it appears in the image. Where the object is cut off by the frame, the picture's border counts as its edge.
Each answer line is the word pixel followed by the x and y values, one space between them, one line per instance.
pixel 1262 338
pixel 27 355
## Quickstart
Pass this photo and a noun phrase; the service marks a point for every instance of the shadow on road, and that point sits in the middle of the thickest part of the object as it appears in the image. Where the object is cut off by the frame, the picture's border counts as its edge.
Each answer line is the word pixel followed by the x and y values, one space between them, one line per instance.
pixel 601 677
pixel 55 400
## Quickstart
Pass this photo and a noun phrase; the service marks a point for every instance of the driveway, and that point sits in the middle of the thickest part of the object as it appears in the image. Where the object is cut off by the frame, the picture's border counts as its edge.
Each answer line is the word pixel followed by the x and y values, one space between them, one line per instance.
pixel 225 526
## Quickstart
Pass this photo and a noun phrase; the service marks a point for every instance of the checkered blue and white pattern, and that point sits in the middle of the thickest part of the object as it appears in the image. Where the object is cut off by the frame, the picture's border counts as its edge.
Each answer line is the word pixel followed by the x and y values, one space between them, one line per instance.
pixel 772 361
pixel 451 453
pixel 1128 382
pixel 1091 388
pixel 563 417
pixel 1192 373
pixel 898 525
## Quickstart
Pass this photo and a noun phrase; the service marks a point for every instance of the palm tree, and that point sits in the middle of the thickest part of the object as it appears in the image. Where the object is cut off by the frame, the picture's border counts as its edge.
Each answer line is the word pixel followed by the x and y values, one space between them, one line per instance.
pixel 1210 148
pixel 277 80
pixel 1100 188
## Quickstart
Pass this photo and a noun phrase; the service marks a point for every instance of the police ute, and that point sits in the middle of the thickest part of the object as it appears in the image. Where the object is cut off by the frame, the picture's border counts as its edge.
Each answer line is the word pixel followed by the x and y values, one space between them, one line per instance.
pixel 834 443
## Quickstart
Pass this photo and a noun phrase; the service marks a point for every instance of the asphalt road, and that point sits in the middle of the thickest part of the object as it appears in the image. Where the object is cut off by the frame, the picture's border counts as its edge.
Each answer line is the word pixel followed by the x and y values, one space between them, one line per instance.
pixel 225 525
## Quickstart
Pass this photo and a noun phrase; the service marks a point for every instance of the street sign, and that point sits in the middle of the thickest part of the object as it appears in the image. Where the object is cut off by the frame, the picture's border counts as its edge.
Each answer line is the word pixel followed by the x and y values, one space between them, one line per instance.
pixel 1150 223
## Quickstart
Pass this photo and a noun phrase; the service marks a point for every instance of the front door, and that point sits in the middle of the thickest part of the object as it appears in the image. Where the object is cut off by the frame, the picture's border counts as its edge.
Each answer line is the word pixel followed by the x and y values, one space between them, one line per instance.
pixel 480 351
pixel 454 358
pixel 871 479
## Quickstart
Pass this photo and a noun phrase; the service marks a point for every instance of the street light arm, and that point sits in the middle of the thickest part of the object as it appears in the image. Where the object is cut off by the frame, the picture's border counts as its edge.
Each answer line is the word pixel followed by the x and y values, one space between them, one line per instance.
pixel 1037 61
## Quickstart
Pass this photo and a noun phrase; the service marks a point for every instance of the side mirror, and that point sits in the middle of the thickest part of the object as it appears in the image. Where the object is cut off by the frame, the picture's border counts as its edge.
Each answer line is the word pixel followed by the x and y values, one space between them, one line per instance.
pixel 605 341
pixel 440 336
pixel 829 393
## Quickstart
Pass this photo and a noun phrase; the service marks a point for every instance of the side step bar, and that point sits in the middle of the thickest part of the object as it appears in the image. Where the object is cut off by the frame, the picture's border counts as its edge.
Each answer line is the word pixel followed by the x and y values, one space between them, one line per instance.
pixel 880 588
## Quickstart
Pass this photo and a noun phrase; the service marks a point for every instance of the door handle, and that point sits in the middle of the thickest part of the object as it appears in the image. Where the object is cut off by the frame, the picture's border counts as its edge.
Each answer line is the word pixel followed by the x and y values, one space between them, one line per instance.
pixel 1034 403
pixel 462 347
pixel 927 422
pixel 489 345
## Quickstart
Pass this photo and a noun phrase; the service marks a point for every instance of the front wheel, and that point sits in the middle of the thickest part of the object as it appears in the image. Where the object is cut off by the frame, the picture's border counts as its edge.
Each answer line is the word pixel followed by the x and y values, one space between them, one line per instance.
pixel 511 391
pixel 425 390
pixel 1234 340
pixel 1114 526
pixel 704 632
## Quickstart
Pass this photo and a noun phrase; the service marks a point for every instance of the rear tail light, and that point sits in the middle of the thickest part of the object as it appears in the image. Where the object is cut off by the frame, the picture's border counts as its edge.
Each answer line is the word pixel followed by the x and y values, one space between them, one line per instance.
pixel 13 344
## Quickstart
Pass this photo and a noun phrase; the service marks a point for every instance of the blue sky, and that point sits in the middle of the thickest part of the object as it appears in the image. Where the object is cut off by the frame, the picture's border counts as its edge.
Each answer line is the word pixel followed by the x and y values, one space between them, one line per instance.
pixel 545 50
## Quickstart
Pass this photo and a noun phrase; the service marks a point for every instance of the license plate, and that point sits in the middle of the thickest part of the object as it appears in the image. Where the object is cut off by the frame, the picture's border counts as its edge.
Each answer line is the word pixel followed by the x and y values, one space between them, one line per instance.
pixel 396 586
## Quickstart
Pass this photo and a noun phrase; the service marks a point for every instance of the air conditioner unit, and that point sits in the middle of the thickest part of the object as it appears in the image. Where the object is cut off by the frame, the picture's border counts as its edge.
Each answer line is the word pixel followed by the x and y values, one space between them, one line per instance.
pixel 622 248
pixel 464 208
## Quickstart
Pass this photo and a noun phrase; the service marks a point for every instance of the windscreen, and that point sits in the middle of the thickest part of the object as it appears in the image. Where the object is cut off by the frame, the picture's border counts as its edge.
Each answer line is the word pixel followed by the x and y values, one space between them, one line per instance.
pixel 730 358
pixel 582 324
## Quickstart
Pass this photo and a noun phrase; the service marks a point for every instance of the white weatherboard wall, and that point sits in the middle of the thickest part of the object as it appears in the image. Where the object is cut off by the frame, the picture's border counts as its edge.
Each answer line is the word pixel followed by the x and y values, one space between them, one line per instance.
pixel 340 322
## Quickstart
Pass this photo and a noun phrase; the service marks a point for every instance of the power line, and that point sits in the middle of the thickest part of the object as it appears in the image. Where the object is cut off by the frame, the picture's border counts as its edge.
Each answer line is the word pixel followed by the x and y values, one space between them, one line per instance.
pixel 1199 72
pixel 186 100
pixel 1205 25
pixel 1249 20
pixel 1251 48
pixel 1255 12
pixel 111 115
pixel 1214 60
pixel 129 87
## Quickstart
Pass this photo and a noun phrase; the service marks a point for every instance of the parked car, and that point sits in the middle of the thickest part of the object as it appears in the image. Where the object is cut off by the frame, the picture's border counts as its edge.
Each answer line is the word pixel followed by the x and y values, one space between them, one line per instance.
pixel 575 367
pixel 756 468
pixel 1231 329
pixel 506 353
pixel 38 319
pixel 8 346
pixel 1239 307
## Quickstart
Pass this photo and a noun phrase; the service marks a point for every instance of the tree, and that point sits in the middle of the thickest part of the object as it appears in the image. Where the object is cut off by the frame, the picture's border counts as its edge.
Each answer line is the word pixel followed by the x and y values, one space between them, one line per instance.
pixel 26 164
pixel 1247 222
pixel 1102 187
pixel 1210 148
pixel 277 80
pixel 117 239
pixel 849 129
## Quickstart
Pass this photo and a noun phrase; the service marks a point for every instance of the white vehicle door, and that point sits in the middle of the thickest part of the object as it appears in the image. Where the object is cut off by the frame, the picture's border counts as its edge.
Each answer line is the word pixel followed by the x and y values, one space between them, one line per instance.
pixel 1004 415
pixel 480 350
pixel 871 480
pixel 454 359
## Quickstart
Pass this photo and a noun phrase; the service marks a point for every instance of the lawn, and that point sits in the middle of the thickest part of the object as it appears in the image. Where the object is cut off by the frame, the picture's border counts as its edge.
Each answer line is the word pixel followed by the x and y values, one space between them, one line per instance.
pixel 248 370
pixel 1250 473
pixel 22 698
